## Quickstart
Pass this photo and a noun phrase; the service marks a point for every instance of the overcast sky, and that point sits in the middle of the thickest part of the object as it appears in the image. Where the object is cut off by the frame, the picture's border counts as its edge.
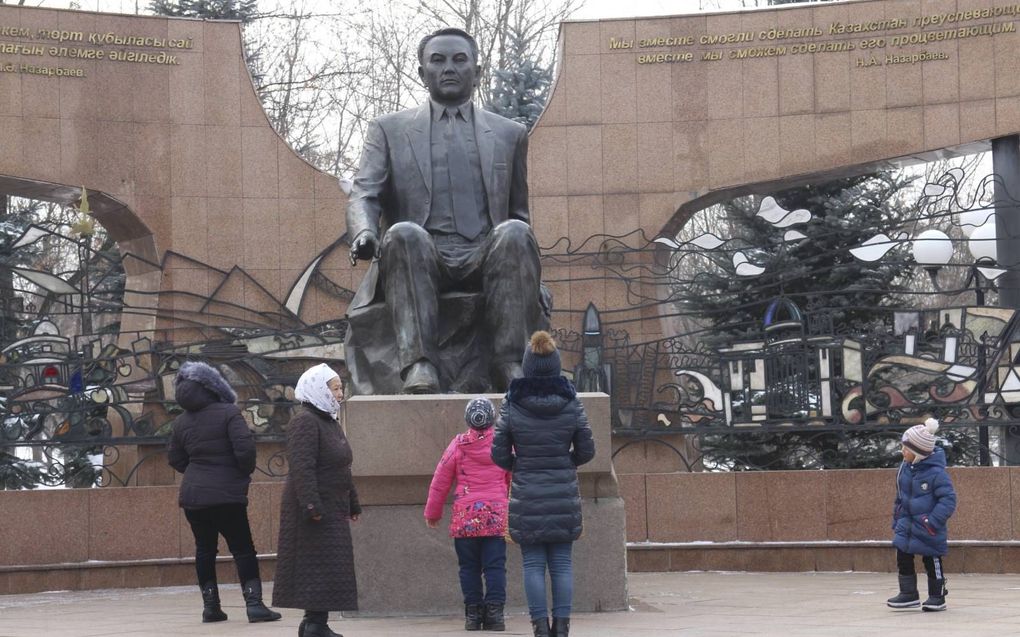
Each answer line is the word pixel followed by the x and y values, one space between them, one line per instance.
pixel 594 9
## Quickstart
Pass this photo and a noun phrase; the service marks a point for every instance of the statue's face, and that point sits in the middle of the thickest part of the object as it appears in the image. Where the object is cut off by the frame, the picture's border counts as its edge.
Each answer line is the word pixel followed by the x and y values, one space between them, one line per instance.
pixel 449 70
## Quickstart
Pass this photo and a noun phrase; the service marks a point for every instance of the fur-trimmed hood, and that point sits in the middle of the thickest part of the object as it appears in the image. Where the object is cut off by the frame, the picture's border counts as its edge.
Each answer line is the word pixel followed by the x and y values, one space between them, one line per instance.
pixel 521 388
pixel 542 395
pixel 198 384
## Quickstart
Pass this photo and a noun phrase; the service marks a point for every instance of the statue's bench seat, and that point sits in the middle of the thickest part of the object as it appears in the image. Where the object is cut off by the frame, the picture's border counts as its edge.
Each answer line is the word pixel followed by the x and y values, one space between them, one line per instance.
pixel 464 345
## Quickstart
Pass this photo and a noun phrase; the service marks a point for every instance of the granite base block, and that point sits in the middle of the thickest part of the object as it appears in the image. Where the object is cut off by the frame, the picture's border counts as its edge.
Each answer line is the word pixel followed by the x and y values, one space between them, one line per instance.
pixel 405 568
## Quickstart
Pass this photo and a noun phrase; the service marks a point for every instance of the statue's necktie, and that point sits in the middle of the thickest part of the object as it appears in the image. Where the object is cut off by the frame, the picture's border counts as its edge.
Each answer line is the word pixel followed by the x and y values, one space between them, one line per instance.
pixel 465 209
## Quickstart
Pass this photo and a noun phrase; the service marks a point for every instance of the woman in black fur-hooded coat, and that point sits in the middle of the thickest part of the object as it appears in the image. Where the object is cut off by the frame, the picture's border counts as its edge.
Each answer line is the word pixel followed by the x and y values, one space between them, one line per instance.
pixel 542 436
pixel 213 447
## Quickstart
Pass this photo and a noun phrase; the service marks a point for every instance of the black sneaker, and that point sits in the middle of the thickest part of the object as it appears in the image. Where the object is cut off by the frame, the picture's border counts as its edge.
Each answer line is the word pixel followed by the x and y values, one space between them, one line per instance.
pixel 934 603
pixel 904 600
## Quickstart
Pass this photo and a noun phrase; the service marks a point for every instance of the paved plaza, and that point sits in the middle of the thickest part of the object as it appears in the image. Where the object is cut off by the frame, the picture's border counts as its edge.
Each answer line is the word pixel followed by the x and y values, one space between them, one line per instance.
pixel 662 605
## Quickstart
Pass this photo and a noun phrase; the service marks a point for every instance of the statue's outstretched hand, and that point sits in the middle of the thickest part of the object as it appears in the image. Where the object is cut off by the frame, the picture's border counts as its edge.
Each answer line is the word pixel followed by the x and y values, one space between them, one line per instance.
pixel 364 247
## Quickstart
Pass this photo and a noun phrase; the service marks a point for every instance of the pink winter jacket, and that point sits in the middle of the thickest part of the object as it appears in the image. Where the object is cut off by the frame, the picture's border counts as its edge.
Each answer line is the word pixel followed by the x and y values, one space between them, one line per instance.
pixel 480 500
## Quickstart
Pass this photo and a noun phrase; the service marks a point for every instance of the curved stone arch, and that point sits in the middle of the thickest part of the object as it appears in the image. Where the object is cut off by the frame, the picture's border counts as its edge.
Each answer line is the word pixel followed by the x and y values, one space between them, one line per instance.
pixel 175 133
pixel 135 242
pixel 630 143
pixel 689 208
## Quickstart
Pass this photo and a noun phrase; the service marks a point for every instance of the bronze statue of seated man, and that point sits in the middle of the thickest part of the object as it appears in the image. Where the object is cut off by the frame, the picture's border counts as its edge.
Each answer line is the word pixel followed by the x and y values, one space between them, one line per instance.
pixel 450 182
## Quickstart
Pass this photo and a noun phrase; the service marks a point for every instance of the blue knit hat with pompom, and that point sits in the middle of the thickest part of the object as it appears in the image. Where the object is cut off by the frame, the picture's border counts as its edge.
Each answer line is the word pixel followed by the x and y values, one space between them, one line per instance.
pixel 541 358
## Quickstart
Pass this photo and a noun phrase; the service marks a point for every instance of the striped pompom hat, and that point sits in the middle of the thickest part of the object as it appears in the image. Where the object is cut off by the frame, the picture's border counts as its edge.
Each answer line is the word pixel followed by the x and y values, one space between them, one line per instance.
pixel 921 438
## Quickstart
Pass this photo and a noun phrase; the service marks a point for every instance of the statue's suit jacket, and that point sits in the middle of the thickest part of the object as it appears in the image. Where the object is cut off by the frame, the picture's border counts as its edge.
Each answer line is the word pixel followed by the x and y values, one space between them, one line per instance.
pixel 394 181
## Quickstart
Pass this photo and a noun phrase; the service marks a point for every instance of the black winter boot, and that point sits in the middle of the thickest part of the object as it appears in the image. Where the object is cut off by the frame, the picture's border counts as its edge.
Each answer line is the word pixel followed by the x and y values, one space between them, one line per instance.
pixel 937 592
pixel 473 614
pixel 319 630
pixel 211 611
pixel 560 627
pixel 257 611
pixel 541 627
pixel 493 619
pixel 908 597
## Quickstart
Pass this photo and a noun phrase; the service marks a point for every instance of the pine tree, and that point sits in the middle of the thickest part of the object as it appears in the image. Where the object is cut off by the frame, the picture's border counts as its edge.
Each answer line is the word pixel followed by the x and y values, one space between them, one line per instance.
pixel 243 10
pixel 17 473
pixel 818 273
pixel 520 91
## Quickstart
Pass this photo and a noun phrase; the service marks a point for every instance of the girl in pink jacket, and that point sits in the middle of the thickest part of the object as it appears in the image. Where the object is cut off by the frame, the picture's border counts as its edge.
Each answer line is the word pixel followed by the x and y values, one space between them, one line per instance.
pixel 479 516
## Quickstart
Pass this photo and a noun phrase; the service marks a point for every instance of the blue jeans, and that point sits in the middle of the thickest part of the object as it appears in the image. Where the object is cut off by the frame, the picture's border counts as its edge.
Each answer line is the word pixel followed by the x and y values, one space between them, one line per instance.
pixel 561 574
pixel 479 556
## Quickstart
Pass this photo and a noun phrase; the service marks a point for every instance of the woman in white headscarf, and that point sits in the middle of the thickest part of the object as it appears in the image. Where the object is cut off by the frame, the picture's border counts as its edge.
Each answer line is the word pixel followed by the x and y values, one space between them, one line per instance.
pixel 315 558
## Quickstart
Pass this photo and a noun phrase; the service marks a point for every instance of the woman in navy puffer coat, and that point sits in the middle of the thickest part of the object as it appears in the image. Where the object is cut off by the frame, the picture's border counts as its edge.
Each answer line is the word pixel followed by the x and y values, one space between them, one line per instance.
pixel 542 437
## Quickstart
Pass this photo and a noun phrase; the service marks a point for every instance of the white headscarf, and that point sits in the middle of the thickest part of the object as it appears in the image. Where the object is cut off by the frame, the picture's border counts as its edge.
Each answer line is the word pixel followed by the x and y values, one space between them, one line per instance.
pixel 312 388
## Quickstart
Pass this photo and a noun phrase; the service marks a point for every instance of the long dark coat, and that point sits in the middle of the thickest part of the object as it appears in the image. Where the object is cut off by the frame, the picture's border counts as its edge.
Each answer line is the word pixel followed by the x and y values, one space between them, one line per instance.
pixel 315 560
pixel 542 436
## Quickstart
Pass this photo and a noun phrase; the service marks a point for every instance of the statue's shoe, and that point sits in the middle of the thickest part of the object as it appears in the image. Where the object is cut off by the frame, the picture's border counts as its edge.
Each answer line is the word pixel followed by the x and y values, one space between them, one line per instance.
pixel 422 378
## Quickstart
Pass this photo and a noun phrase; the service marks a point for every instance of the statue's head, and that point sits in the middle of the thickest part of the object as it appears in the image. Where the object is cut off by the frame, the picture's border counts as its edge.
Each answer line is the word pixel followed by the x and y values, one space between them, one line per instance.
pixel 448 65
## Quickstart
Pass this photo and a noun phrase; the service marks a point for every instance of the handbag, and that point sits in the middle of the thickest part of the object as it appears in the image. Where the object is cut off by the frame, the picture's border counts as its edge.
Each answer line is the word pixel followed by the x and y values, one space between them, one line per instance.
pixel 506 529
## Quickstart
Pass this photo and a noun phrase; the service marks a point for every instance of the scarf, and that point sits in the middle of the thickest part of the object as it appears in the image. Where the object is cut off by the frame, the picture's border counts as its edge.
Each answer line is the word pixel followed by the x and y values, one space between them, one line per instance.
pixel 312 388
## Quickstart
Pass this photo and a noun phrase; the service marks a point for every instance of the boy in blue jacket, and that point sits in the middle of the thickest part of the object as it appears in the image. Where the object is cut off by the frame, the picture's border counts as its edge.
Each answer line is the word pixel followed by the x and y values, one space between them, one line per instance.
pixel 925 499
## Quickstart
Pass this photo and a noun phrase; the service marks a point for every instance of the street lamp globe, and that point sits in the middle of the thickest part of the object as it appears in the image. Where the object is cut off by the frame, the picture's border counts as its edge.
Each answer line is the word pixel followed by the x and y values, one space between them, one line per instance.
pixel 932 247
pixel 982 243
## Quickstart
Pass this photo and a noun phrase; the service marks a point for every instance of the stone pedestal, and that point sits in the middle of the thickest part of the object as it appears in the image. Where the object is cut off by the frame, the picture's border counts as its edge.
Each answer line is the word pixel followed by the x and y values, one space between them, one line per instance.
pixel 405 568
